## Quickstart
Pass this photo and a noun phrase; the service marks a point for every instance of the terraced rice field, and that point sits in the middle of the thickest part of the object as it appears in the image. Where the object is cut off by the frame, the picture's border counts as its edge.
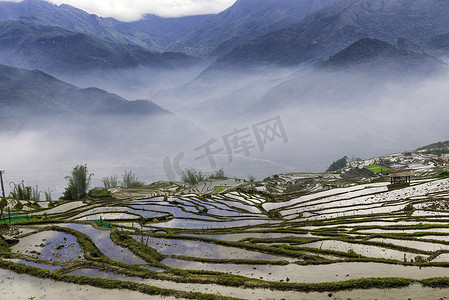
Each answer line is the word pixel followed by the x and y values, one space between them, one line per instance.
pixel 330 244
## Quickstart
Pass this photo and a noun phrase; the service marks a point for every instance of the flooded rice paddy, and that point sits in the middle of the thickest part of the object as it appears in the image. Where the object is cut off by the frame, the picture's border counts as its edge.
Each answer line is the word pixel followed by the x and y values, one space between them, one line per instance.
pixel 237 245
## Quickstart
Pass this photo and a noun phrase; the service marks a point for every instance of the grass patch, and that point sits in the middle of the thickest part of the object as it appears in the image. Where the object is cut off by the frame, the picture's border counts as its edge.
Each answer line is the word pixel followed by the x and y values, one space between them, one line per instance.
pixel 147 253
pixel 16 221
pixel 4 246
pixel 231 261
pixel 443 174
pixel 365 283
pixel 377 168
pixel 219 189
pixel 437 282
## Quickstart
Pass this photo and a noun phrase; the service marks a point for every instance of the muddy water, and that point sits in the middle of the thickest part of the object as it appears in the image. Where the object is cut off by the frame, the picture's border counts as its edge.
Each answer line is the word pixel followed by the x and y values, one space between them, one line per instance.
pixel 15 286
pixel 414 244
pixel 365 250
pixel 414 292
pixel 108 217
pixel 197 224
pixel 311 274
pixel 241 236
pixel 33 264
pixel 19 287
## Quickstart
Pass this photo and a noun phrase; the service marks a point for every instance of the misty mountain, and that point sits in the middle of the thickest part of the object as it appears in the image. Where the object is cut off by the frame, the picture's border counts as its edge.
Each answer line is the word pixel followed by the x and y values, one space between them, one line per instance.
pixel 440 42
pixel 376 56
pixel 73 19
pixel 168 30
pixel 243 21
pixel 357 75
pixel 56 50
pixel 25 94
pixel 330 30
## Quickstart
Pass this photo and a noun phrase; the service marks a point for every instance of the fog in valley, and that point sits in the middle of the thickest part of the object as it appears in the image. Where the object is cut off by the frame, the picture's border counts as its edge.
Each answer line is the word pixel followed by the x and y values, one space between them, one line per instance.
pixel 258 122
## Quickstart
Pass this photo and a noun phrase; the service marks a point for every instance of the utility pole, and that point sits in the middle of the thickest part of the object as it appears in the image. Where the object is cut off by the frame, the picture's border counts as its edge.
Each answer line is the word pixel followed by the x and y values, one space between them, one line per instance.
pixel 1 182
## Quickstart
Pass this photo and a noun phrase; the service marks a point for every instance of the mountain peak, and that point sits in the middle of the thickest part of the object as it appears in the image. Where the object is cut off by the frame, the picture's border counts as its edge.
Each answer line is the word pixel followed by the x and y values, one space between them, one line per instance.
pixel 364 50
pixel 374 55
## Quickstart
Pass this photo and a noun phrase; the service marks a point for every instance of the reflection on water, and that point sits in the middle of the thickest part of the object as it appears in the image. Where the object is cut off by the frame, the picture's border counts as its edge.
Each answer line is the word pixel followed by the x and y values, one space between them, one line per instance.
pixel 207 250
pixel 50 245
pixel 102 240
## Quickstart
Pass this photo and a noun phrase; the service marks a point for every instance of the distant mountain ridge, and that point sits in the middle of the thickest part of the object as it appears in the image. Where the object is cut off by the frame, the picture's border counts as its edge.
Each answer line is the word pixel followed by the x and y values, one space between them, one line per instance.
pixel 335 27
pixel 54 49
pixel 25 93
pixel 168 30
pixel 73 19
pixel 243 21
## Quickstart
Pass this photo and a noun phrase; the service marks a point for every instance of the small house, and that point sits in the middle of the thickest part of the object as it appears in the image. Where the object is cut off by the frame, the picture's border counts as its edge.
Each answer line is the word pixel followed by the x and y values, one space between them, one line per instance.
pixel 400 178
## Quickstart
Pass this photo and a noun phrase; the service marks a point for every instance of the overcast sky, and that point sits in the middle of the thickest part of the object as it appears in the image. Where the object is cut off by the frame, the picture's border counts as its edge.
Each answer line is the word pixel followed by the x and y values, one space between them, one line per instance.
pixel 130 10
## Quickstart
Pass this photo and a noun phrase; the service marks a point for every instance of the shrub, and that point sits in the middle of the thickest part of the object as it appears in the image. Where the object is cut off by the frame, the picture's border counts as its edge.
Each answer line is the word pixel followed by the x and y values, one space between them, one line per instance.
pixel 443 174
pixel 131 181
pixel 99 194
pixel 274 214
pixel 18 206
pixel 409 209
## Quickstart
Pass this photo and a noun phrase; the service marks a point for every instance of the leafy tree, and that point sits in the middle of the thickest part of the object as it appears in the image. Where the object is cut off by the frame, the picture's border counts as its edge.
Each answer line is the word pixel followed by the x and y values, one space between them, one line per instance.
pixel 337 165
pixel 78 183
pixel 218 174
pixel 192 177
pixel 251 178
pixel 35 194
pixel 130 180
pixel 22 192
pixel 48 195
